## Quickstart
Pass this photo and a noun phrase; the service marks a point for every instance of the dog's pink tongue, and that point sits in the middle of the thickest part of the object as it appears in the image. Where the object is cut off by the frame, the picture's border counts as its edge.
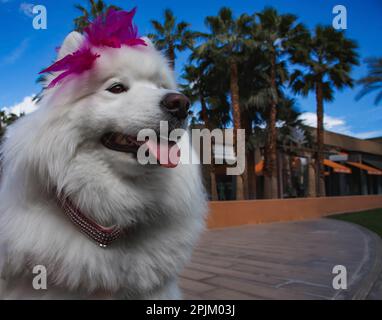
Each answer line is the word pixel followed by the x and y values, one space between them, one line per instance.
pixel 167 153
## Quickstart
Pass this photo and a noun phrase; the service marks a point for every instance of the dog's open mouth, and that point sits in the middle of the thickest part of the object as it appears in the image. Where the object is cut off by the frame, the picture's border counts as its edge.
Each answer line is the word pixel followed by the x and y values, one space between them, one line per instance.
pixel 166 153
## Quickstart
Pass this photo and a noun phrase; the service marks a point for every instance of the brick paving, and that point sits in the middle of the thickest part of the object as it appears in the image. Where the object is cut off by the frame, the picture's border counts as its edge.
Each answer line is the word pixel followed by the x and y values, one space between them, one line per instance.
pixel 291 260
pixel 376 292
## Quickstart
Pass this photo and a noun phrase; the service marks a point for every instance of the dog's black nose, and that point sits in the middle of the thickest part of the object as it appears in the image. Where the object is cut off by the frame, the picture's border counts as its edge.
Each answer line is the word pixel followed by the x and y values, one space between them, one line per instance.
pixel 177 104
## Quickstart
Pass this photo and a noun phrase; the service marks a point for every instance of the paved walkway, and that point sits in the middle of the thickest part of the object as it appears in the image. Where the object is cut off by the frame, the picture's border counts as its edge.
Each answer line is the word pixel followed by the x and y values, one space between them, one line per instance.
pixel 291 260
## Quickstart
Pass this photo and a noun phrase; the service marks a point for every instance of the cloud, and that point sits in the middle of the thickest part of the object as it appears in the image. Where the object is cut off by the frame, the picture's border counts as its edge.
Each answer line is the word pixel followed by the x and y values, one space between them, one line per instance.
pixel 337 125
pixel 27 105
pixel 27 9
pixel 330 123
pixel 16 53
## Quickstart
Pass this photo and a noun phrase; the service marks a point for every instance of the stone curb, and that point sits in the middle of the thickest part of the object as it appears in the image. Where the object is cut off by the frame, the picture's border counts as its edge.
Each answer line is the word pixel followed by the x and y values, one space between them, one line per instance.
pixel 364 286
pixel 376 268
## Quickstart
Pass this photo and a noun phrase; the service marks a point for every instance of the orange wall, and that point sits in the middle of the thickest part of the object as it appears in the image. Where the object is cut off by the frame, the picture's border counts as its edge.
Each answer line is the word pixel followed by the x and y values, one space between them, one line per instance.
pixel 235 213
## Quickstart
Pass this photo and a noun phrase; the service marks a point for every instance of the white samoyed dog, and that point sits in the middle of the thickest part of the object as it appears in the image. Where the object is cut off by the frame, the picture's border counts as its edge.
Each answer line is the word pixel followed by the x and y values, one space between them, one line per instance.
pixel 81 142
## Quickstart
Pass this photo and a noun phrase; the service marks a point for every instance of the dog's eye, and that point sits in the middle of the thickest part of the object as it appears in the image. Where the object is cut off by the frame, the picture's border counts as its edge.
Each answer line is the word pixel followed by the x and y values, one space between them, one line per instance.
pixel 117 88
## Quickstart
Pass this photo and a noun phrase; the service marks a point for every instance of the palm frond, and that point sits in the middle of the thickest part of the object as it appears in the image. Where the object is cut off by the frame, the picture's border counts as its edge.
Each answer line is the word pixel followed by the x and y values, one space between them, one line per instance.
pixel 372 81
pixel 159 28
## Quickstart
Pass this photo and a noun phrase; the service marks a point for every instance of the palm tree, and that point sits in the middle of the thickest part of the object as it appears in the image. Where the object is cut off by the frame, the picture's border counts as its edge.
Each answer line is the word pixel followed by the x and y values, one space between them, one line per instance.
pixel 172 36
pixel 96 9
pixel 7 119
pixel 255 96
pixel 205 83
pixel 227 38
pixel 373 81
pixel 2 122
pixel 275 34
pixel 195 89
pixel 327 59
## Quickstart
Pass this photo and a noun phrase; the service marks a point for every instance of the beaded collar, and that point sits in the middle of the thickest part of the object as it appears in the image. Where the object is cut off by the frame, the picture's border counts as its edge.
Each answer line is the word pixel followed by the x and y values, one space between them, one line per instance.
pixel 103 236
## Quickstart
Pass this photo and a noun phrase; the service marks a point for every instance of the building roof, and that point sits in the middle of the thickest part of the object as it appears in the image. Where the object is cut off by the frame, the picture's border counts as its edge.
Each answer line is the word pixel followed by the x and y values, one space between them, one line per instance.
pixel 337 140
pixel 350 143
pixel 377 139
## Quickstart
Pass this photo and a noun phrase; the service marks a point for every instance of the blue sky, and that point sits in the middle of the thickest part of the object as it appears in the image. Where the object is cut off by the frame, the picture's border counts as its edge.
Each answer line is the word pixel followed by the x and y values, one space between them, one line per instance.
pixel 24 51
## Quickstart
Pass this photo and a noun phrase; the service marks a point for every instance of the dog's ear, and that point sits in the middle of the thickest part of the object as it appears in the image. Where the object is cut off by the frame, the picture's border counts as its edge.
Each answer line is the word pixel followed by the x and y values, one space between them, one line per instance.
pixel 72 43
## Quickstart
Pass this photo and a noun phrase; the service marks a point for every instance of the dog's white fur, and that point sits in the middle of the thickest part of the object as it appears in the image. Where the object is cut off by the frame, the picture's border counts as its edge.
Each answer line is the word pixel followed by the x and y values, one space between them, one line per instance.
pixel 58 146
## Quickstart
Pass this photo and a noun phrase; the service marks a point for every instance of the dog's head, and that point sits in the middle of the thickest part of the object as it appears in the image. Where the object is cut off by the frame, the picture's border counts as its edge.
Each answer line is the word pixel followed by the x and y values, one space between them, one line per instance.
pixel 85 131
pixel 128 89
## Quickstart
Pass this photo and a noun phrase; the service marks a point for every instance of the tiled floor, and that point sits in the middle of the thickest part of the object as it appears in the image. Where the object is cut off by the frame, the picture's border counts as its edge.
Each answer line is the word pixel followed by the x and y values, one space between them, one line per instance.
pixel 280 261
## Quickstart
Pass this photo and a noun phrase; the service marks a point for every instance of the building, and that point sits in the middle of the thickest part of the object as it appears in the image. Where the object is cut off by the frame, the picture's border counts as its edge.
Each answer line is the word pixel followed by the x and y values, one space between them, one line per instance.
pixel 362 165
pixel 352 167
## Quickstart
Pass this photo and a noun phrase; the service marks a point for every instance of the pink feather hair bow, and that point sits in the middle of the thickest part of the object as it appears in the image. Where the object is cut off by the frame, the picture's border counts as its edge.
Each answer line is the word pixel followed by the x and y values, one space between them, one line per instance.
pixel 113 30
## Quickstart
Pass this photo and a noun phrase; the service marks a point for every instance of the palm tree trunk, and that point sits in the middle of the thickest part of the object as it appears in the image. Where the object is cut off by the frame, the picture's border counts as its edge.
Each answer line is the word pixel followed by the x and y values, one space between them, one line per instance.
pixel 250 175
pixel 204 113
pixel 270 172
pixel 211 168
pixel 320 180
pixel 312 178
pixel 287 164
pixel 235 100
pixel 171 56
pixel 214 188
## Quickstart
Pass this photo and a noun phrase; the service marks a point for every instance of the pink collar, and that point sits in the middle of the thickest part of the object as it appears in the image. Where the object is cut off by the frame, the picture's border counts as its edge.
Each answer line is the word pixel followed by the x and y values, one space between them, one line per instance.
pixel 103 236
